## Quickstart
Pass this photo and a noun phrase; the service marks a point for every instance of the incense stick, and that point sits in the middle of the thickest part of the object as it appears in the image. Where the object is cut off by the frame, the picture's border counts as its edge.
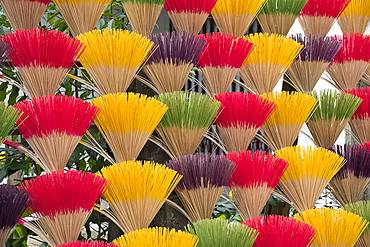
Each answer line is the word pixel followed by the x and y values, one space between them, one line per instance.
pixel 91 243
pixel 361 208
pixel 356 17
pixel 204 179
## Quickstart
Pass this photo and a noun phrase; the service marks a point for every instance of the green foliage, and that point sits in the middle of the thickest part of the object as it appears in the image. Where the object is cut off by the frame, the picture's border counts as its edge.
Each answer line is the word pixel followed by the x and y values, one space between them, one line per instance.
pixel 8 117
pixel 283 7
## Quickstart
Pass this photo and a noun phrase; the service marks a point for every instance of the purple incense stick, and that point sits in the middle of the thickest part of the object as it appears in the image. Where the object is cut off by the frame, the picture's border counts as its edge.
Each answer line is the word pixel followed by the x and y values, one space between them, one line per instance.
pixel 4 52
pixel 176 47
pixel 13 203
pixel 358 160
pixel 213 170
pixel 317 47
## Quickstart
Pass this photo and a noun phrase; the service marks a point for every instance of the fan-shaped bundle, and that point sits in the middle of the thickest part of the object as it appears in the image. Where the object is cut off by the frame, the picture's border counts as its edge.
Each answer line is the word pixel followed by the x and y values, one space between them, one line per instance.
pixel 143 14
pixel 334 227
pixel 361 208
pixel 352 180
pixel 13 203
pixel 61 204
pixel 8 117
pixel 310 170
pixel 43 58
pixel 235 16
pixel 126 122
pixel 267 63
pixel 351 61
pixel 137 192
pixel 221 60
pixel 254 179
pixel 113 57
pixel 278 16
pixel 359 123
pixel 219 233
pixel 276 230
pixel 318 16
pixel 356 17
pixel 53 125
pixel 311 63
pixel 240 117
pixel 81 16
pixel 189 15
pixel 24 14
pixel 187 120
pixel 157 237
pixel 169 66
pixel 204 179
pixel 91 243
pixel 331 116
pixel 292 110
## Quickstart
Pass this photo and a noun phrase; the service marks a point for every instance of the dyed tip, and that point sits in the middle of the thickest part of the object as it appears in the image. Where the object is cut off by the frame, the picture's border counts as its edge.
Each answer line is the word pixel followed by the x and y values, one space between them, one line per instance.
pixel 328 8
pixel 356 47
pixel 189 6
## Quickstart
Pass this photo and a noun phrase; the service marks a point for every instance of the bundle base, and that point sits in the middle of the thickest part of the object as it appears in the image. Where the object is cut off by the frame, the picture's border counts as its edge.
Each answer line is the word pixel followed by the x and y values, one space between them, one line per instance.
pixel 304 75
pixel 218 80
pixel 168 77
pixel 280 135
pixel 346 75
pixel 303 193
pixel 261 78
pixel 319 25
pixel 188 22
pixel 126 146
pixel 361 129
pixel 42 81
pixel 235 24
pixel 237 138
pixel 142 16
pixel 23 14
pixel 348 188
pixel 277 23
pixel 251 201
pixel 353 23
pixel 200 203
pixel 364 240
pixel 81 16
pixel 181 141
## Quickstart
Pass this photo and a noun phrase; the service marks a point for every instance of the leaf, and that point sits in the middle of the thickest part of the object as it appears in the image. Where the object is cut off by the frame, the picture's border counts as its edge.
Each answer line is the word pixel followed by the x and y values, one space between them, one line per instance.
pixel 13 95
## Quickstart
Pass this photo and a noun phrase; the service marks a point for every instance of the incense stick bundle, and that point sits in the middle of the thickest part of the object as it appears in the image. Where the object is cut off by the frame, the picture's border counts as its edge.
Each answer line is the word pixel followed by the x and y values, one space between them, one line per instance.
pixel 42 58
pixel 310 170
pixel 219 233
pixel 292 110
pixel 137 192
pixel 240 117
pixel 276 230
pixel 254 179
pixel 359 123
pixel 126 122
pixel 334 227
pixel 143 14
pixel 189 15
pixel 235 16
pixel 351 62
pixel 113 57
pixel 91 243
pixel 356 17
pixel 361 208
pixel 8 117
pixel 311 63
pixel 353 179
pixel 24 14
pixel 318 16
pixel 13 203
pixel 169 66
pixel 221 60
pixel 53 125
pixel 61 204
pixel 157 237
pixel 266 65
pixel 204 179
pixel 81 16
pixel 186 122
pixel 331 116
pixel 278 16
